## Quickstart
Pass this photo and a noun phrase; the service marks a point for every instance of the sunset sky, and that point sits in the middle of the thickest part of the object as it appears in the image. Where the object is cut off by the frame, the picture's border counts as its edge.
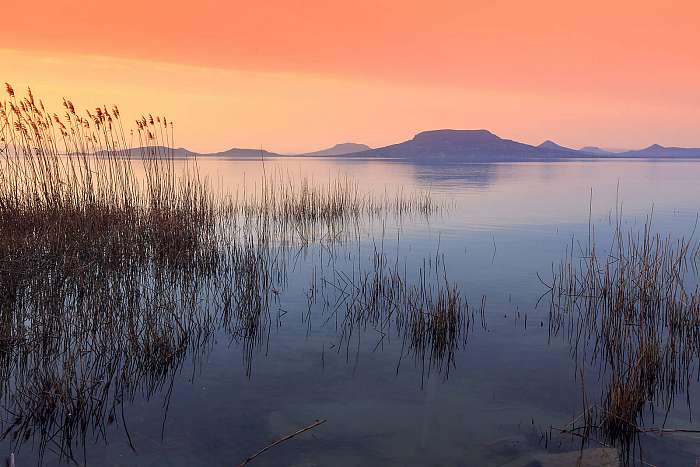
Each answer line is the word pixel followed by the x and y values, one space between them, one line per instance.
pixel 301 75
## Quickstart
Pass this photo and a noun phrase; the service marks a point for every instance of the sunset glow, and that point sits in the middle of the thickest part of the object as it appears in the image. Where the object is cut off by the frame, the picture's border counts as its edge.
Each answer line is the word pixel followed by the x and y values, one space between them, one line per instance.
pixel 298 76
pixel 376 233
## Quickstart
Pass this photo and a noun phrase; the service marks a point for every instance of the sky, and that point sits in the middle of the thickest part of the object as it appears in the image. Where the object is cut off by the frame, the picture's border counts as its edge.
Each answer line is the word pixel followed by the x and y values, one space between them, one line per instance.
pixel 294 76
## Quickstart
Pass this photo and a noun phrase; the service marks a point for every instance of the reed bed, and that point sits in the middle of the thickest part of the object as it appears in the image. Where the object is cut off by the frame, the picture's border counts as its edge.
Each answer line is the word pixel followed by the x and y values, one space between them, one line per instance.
pixel 281 198
pixel 633 312
pixel 69 191
pixel 83 167
pixel 429 316
pixel 73 354
pixel 118 265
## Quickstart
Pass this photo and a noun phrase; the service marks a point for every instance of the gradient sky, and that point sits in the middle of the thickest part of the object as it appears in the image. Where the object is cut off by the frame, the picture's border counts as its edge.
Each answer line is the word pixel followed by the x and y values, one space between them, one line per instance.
pixel 302 75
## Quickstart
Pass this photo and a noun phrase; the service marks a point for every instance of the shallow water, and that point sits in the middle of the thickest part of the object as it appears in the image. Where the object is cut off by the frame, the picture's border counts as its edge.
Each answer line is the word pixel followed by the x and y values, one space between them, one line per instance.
pixel 505 224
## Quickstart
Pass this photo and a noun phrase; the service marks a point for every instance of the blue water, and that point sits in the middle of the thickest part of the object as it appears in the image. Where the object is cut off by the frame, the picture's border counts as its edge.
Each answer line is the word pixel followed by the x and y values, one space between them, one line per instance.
pixel 510 383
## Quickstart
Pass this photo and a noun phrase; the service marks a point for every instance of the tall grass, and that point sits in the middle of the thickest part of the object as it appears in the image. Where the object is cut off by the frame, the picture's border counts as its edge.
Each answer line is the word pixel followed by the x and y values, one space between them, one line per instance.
pixel 68 189
pixel 118 262
pixel 280 198
pixel 633 311
pixel 429 315
pixel 82 174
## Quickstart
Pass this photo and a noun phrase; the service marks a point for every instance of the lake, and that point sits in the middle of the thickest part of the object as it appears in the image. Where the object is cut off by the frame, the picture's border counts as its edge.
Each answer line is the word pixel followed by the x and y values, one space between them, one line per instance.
pixel 492 399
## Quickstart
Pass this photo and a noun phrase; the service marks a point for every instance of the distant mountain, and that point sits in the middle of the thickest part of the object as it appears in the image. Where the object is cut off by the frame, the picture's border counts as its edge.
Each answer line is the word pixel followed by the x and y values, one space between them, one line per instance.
pixel 551 145
pixel 182 152
pixel 467 145
pixel 656 150
pixel 246 153
pixel 597 151
pixel 484 146
pixel 451 146
pixel 155 151
pixel 340 149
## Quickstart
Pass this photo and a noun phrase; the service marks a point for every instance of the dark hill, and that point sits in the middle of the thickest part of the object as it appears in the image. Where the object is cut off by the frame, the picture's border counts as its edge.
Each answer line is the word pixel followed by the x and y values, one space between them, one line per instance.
pixel 468 145
pixel 340 149
pixel 656 150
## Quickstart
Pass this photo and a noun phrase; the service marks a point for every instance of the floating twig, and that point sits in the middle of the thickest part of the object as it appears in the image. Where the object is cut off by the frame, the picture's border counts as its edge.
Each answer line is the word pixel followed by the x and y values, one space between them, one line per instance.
pixel 282 440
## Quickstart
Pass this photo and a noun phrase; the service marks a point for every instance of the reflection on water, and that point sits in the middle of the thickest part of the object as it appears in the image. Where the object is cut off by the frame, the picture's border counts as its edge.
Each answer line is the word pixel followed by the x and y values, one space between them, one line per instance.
pixel 418 338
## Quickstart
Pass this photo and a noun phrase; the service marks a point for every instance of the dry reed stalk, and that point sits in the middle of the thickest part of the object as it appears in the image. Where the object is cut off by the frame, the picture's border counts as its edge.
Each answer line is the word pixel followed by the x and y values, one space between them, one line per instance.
pixel 634 312
pixel 119 264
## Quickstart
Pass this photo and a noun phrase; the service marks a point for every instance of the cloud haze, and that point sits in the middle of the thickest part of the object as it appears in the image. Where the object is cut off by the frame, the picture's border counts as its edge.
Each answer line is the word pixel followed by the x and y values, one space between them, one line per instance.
pixel 300 75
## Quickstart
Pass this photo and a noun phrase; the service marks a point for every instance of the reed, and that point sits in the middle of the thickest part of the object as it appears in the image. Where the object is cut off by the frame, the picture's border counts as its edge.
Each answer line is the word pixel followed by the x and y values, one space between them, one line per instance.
pixel 120 264
pixel 633 312
pixel 429 316
pixel 281 198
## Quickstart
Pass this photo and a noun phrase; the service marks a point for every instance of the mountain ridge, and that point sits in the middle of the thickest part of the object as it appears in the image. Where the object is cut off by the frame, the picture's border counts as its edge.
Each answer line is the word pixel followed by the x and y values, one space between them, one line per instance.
pixel 339 150
pixel 466 145
pixel 471 145
pixel 483 145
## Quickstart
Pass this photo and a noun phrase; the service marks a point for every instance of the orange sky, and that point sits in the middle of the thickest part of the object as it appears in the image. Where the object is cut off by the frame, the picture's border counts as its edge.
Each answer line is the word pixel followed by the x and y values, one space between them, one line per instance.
pixel 300 75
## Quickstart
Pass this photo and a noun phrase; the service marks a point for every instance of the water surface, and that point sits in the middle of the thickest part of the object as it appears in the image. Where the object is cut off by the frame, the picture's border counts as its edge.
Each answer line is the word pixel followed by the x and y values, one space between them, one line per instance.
pixel 493 404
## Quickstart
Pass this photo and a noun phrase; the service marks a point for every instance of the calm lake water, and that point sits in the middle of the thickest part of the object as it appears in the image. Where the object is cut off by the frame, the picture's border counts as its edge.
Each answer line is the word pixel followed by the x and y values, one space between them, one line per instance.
pixel 508 384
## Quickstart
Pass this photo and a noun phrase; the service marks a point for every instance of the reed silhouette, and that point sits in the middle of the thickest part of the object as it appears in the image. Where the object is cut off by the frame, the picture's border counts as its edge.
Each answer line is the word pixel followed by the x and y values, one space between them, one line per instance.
pixel 633 313
pixel 119 263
